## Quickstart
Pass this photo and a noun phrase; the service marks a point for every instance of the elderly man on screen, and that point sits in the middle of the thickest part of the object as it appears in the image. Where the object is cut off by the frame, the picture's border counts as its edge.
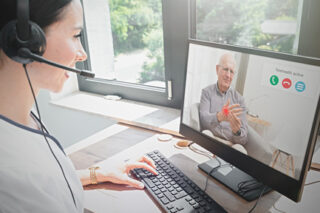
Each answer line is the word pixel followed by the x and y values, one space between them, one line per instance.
pixel 222 109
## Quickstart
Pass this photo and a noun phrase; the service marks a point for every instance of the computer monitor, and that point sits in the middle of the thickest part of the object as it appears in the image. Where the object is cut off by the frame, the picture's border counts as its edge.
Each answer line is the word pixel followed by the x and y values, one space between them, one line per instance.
pixel 278 112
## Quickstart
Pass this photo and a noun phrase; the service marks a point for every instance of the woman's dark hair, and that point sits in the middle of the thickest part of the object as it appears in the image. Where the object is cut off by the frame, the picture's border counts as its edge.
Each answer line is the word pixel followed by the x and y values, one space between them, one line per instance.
pixel 42 12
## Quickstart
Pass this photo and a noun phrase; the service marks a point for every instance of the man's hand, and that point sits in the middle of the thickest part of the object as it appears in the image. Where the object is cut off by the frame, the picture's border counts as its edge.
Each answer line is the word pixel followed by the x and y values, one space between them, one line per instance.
pixel 227 110
pixel 235 122
pixel 230 114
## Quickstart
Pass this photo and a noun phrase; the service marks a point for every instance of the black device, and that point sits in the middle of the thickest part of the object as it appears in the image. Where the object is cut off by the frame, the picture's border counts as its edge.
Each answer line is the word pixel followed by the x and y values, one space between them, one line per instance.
pixel 282 90
pixel 24 41
pixel 173 190
pixel 238 181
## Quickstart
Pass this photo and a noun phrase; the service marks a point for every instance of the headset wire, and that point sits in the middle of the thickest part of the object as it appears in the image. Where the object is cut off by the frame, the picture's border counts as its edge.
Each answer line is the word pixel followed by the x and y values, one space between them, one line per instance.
pixel 42 130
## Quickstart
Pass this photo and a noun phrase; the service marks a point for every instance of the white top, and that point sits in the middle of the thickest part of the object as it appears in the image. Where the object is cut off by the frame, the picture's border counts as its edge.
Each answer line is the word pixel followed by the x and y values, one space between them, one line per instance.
pixel 30 177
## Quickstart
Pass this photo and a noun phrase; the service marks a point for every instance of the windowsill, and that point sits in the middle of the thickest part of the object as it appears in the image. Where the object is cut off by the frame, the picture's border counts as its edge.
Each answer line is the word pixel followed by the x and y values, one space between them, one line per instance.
pixel 157 118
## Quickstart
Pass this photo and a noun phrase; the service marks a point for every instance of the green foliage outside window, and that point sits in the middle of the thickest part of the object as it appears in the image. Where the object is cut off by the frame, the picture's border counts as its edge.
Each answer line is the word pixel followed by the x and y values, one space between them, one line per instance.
pixel 239 22
pixel 137 24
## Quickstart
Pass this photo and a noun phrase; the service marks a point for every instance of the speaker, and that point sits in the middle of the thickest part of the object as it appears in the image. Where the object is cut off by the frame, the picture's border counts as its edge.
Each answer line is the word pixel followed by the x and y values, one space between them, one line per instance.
pixel 22 33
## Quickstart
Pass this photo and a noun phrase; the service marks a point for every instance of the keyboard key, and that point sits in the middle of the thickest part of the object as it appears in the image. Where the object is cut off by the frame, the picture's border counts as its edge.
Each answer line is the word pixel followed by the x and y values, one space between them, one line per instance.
pixel 202 203
pixel 170 206
pixel 198 199
pixel 169 196
pixel 163 190
pixel 173 210
pixel 188 198
pixel 149 183
pixel 192 202
pixel 196 206
pixel 179 189
pixel 157 192
pixel 164 200
pixel 179 208
pixel 170 189
pixel 194 195
pixel 180 194
pixel 160 195
pixel 160 187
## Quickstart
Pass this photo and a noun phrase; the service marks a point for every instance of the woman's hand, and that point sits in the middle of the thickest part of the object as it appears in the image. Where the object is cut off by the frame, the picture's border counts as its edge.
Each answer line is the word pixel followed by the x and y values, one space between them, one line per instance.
pixel 120 174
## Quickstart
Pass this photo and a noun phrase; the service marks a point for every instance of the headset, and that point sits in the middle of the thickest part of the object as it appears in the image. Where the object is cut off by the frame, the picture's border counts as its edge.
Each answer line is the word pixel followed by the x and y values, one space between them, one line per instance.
pixel 24 42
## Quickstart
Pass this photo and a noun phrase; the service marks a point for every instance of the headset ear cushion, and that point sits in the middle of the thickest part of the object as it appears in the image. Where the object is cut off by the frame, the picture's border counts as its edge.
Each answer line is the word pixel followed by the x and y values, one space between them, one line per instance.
pixel 11 43
pixel 37 42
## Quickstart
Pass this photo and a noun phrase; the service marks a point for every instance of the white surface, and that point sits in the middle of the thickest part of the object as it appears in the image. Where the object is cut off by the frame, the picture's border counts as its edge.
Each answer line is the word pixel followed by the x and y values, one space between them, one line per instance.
pixel 107 132
pixel 119 110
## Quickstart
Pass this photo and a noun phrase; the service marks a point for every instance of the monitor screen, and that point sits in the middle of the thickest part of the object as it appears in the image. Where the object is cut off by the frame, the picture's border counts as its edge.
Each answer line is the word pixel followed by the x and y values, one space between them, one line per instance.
pixel 256 109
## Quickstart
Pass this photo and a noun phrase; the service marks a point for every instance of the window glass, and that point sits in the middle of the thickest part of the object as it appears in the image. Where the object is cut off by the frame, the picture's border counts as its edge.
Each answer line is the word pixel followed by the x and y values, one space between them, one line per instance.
pixel 126 39
pixel 267 24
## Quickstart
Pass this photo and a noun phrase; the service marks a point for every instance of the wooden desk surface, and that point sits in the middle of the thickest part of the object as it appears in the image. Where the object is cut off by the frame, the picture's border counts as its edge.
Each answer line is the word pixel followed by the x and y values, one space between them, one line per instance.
pixel 119 143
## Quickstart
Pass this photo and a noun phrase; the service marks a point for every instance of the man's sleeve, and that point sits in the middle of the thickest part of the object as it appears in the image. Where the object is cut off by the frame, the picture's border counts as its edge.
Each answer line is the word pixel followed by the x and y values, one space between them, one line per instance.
pixel 208 120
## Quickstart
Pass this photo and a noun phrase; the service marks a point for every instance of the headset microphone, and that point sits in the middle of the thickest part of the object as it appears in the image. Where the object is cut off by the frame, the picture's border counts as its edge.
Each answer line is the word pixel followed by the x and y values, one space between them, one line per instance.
pixel 26 53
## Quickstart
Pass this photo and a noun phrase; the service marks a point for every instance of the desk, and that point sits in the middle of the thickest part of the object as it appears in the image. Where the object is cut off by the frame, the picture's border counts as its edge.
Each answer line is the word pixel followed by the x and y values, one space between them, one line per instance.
pixel 120 142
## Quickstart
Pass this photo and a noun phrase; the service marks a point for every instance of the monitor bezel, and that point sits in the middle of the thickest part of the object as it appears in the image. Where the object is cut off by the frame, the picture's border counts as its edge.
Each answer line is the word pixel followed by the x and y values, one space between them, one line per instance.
pixel 286 185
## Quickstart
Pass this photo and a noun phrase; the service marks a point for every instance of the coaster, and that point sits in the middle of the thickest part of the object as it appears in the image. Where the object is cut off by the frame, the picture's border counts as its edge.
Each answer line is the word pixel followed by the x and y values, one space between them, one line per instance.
pixel 182 144
pixel 164 137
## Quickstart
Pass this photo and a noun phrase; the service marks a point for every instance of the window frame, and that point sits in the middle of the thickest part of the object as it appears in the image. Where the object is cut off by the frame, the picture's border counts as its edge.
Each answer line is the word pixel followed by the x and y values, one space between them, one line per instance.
pixel 175 40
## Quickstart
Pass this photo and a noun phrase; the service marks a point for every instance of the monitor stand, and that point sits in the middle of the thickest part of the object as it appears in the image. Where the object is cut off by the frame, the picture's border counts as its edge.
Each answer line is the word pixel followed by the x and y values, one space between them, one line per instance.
pixel 238 181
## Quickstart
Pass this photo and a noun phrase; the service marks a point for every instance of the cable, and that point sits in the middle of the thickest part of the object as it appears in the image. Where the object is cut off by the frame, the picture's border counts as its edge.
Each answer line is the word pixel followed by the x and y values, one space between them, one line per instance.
pixel 279 210
pixel 207 154
pixel 209 173
pixel 257 200
pixel 308 184
pixel 42 130
pixel 248 186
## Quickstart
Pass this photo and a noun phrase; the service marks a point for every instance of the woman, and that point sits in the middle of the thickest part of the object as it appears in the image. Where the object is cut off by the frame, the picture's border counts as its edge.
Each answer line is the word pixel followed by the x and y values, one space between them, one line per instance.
pixel 35 174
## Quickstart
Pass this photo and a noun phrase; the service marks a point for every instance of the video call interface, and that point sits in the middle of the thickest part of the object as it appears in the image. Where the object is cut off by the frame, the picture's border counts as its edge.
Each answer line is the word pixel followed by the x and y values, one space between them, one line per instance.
pixel 263 107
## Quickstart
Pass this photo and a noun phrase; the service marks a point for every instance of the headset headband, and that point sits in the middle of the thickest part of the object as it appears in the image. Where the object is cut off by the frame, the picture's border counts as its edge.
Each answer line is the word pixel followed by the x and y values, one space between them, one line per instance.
pixel 23 31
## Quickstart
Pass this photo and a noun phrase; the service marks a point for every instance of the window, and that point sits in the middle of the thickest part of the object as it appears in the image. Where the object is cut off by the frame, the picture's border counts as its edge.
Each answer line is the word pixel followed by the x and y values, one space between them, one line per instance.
pixel 136 50
pixel 266 24
pixel 138 41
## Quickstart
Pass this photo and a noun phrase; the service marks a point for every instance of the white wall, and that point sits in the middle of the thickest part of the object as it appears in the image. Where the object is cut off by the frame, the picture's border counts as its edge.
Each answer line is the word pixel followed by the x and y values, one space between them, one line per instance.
pixel 98 26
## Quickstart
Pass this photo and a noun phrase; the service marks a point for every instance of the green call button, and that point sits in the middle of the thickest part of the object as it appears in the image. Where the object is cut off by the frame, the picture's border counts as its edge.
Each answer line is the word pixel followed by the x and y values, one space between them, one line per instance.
pixel 274 80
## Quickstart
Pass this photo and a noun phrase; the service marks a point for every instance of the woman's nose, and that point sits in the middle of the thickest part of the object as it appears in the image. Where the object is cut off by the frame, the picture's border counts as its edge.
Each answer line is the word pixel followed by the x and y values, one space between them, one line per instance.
pixel 81 55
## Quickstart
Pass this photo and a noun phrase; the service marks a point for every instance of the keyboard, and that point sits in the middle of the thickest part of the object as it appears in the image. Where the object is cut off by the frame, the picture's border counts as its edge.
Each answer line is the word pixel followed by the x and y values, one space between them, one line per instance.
pixel 173 190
